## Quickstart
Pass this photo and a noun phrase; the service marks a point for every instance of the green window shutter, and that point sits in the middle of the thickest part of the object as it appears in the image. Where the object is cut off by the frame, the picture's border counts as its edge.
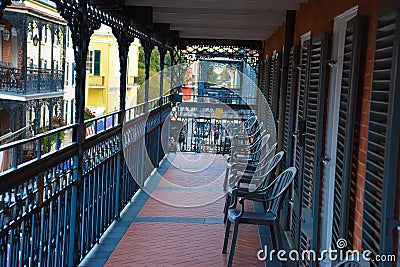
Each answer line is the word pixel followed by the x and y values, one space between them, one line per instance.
pixel 96 70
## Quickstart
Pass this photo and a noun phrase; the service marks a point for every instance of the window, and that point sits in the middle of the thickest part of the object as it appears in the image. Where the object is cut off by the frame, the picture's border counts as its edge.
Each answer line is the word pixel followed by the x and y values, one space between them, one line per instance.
pixel 96 70
pixel 93 62
pixel 73 73
pixel 67 74
pixel 89 62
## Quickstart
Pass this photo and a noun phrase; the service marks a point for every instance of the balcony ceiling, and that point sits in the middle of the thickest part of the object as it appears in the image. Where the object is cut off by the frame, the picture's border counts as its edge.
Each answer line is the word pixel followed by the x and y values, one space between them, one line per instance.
pixel 225 19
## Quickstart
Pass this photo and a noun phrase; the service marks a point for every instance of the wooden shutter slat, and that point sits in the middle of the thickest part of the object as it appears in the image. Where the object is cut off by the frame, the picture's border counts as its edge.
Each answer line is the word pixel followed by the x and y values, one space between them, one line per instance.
pixel 346 128
pixel 382 136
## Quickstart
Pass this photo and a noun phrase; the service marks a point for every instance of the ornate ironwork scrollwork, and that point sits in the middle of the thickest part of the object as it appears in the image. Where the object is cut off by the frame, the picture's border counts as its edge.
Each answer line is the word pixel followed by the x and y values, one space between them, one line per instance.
pixel 124 41
pixel 249 55
pixel 3 5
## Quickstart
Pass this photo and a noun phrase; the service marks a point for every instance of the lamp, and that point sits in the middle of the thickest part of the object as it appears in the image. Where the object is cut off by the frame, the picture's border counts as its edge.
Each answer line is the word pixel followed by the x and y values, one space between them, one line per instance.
pixel 35 40
pixel 6 34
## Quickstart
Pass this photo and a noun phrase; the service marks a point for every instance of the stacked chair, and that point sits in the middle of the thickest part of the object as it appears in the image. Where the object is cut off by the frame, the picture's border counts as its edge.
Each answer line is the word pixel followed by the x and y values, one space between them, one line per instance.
pixel 256 180
pixel 247 148
pixel 251 175
pixel 271 196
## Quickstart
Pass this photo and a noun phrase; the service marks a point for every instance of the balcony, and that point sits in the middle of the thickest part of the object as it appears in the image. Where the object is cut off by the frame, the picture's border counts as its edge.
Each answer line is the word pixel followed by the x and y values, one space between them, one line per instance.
pixel 30 81
pixel 96 81
pixel 83 202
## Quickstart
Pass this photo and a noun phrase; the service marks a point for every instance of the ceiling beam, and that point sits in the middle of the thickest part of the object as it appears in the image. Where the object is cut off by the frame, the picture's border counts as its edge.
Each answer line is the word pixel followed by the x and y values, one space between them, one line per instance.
pixel 161 17
pixel 237 26
pixel 224 35
pixel 255 4
pixel 253 44
pixel 245 11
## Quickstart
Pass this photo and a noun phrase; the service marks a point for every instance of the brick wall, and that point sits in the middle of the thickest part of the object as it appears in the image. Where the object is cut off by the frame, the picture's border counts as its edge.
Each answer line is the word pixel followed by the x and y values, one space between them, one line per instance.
pixel 276 41
pixel 317 16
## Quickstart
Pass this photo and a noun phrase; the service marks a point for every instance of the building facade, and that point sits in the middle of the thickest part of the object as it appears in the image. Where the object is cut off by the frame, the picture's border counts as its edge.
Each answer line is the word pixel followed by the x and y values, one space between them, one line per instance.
pixel 102 72
pixel 32 67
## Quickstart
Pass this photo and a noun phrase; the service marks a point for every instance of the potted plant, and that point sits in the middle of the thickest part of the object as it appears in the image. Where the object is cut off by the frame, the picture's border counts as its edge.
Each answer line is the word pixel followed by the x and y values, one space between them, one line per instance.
pixel 57 121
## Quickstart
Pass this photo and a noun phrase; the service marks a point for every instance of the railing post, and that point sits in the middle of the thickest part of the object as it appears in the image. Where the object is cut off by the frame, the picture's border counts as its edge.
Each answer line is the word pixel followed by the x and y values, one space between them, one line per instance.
pixel 148 48
pixel 53 86
pixel 39 69
pixel 76 15
pixel 162 52
pixel 124 41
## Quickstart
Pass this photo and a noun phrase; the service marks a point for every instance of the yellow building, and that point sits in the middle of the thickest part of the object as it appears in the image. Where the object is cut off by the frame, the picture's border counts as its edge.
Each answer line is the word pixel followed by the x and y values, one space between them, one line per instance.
pixel 103 76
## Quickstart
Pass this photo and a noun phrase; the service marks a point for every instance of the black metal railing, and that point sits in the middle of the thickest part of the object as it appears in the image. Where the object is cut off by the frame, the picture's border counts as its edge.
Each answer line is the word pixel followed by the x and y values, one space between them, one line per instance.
pixel 30 82
pixel 219 99
pixel 54 205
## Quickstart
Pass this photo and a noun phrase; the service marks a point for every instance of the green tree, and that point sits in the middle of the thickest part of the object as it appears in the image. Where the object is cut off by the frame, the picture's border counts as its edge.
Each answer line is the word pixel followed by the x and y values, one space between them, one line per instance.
pixel 154 88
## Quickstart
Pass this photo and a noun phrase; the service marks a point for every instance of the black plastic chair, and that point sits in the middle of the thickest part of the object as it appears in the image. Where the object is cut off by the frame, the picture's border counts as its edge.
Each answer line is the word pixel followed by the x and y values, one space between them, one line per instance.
pixel 252 153
pixel 260 178
pixel 251 130
pixel 248 159
pixel 272 197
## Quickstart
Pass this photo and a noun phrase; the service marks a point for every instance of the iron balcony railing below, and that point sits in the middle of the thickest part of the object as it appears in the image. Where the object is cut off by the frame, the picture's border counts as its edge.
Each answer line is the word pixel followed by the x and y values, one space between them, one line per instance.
pixel 30 81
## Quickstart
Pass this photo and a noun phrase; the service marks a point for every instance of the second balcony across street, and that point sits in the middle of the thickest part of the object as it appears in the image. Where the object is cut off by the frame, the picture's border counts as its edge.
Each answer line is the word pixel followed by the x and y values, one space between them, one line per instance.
pixel 200 133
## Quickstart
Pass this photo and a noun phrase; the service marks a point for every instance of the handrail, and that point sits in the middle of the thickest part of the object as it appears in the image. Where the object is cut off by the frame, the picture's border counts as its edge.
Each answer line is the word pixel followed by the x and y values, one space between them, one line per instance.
pixel 218 98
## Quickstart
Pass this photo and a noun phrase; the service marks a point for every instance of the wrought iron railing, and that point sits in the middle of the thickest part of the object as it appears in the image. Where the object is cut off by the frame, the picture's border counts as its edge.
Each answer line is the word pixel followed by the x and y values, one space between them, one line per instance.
pixel 55 206
pixel 208 127
pixel 134 112
pixel 30 81
pixel 220 99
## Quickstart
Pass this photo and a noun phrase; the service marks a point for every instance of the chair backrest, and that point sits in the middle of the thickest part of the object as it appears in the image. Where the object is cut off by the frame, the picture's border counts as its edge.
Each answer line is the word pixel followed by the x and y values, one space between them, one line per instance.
pixel 256 132
pixel 272 165
pixel 266 172
pixel 261 146
pixel 250 124
pixel 267 153
pixel 279 188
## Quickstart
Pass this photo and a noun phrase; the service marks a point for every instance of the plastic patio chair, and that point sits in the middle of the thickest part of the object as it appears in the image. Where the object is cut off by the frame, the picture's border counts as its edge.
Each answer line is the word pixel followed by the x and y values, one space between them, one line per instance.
pixel 261 178
pixel 272 197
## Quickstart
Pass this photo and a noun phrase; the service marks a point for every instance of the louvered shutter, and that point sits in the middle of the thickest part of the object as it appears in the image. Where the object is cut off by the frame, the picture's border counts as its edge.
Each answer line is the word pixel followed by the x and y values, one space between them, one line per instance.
pixel 346 128
pixel 287 138
pixel 96 64
pixel 271 71
pixel 290 106
pixel 299 148
pixel 383 137
pixel 261 110
pixel 314 120
pixel 276 84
